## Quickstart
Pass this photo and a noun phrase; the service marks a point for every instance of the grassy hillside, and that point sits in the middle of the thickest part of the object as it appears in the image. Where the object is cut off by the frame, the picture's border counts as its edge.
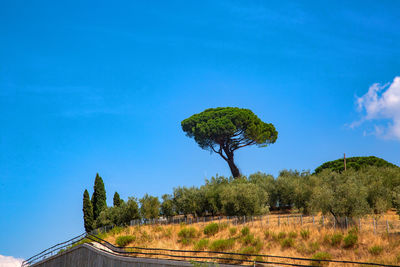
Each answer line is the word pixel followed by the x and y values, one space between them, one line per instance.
pixel 285 240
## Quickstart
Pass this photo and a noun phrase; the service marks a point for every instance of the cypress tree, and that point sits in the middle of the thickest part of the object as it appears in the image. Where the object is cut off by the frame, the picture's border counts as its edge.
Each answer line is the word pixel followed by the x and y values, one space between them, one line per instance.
pixel 99 197
pixel 87 212
pixel 116 200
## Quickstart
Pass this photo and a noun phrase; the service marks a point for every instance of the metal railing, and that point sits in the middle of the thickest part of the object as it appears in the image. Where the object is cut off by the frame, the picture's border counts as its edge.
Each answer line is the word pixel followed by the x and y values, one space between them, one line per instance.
pixel 189 255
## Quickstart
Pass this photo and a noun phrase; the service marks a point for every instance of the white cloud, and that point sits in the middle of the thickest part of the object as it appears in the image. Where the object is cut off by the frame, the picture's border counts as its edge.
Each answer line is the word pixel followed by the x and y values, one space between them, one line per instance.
pixel 382 102
pixel 8 261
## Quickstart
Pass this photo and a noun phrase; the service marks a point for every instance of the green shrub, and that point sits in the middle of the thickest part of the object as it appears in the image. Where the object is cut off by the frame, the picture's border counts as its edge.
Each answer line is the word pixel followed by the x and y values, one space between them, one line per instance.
pixel 245 231
pixel 222 244
pixel 375 250
pixel 281 235
pixel 350 240
pixel 211 229
pixel 232 231
pixel 187 232
pixel 186 235
pixel 248 239
pixel 305 234
pixel 292 234
pixel 336 239
pixel 287 243
pixel 124 240
pixel 202 244
pixel 321 256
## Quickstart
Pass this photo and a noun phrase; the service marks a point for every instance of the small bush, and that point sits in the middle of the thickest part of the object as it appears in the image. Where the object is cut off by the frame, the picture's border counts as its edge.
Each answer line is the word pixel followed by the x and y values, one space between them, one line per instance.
pixel 186 235
pixel 248 239
pixel 124 240
pixel 287 243
pixel 305 234
pixel 350 240
pixel 245 231
pixel 281 235
pixel 202 244
pixel 336 239
pixel 187 232
pixel 232 231
pixel 292 234
pixel 375 250
pixel 211 229
pixel 222 244
pixel 321 256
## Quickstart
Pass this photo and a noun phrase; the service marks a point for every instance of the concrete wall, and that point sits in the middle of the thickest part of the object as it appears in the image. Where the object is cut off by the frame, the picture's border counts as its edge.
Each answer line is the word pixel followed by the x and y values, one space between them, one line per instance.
pixel 87 256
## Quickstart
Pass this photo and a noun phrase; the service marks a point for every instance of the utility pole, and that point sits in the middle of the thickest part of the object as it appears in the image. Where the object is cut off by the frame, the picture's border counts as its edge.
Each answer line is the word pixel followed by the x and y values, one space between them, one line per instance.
pixel 344 158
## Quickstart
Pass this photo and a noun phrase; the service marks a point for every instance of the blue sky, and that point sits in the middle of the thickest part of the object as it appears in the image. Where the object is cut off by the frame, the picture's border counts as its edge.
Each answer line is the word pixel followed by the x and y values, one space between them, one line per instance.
pixel 94 87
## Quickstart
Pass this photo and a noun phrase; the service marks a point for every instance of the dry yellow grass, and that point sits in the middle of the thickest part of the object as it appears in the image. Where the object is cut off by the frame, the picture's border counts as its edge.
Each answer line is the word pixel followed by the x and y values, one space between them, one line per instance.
pixel 166 236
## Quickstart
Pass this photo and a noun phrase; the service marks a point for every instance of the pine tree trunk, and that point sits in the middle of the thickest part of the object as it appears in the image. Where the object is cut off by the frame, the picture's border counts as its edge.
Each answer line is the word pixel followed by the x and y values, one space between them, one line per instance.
pixel 234 169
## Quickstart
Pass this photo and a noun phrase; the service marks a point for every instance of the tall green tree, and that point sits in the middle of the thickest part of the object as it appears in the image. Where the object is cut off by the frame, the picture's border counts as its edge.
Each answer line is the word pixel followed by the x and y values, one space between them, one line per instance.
pixel 98 197
pixel 167 206
pixel 149 207
pixel 87 212
pixel 116 200
pixel 223 130
pixel 340 194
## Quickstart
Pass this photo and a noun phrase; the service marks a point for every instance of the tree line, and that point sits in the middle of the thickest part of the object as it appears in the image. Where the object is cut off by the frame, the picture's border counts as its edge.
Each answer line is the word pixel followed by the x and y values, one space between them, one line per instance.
pixel 351 193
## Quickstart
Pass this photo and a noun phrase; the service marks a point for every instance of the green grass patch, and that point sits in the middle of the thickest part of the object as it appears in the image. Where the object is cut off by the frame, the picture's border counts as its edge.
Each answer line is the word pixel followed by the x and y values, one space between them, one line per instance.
pixel 287 243
pixel 232 231
pixel 305 234
pixel 202 244
pixel 336 239
pixel 245 231
pixel 375 250
pixel 350 240
pixel 222 244
pixel 211 229
pixel 186 235
pixel 292 234
pixel 281 235
pixel 124 240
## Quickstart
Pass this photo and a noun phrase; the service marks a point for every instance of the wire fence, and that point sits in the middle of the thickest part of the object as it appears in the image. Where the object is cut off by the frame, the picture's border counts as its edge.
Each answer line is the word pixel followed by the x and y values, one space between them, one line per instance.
pixel 370 224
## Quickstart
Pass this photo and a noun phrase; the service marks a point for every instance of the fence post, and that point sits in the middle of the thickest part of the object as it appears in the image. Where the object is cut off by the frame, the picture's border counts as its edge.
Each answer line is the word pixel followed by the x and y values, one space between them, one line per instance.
pixel 347 223
pixel 359 224
pixel 279 220
pixel 313 220
pixel 288 219
pixel 267 220
pixel 301 219
pixel 323 223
